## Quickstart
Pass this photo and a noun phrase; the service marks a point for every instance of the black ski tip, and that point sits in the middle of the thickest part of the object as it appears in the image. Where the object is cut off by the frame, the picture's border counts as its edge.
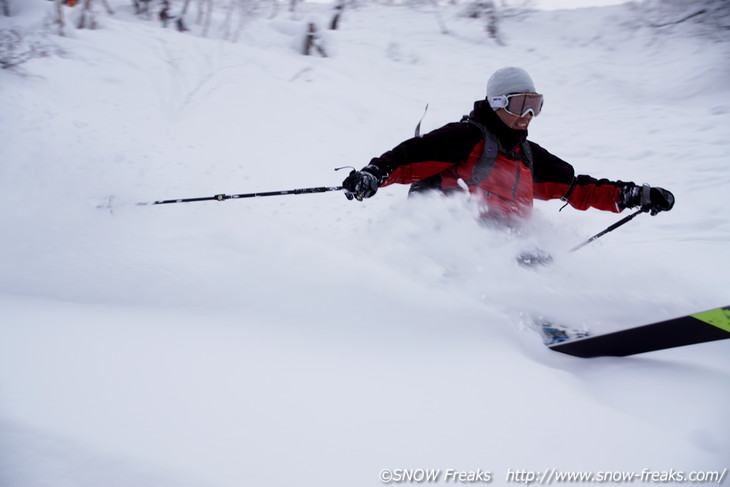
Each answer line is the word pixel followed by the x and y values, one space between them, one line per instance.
pixel 686 330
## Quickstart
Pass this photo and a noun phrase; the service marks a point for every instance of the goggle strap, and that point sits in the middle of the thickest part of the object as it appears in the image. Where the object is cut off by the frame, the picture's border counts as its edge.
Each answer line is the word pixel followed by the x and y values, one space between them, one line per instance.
pixel 498 101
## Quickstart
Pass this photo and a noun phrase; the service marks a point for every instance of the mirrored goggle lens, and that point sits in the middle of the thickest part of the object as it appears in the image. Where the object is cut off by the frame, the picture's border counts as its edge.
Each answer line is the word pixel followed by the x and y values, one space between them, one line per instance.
pixel 522 104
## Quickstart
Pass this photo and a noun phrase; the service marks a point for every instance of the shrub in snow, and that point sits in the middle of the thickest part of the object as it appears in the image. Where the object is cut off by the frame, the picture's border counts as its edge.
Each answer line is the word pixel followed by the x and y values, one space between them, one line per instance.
pixel 706 16
pixel 314 40
pixel 18 46
pixel 308 37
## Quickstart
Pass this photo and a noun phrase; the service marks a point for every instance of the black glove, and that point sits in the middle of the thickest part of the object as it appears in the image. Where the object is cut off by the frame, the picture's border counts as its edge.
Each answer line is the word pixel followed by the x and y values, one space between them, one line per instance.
pixel 651 199
pixel 362 184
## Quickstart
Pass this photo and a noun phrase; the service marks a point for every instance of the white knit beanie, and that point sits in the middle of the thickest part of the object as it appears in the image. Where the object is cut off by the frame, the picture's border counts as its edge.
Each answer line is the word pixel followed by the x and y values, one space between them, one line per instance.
pixel 509 80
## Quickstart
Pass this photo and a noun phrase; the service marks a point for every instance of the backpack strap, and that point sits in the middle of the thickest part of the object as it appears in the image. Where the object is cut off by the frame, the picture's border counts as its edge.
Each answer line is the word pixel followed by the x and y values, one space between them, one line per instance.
pixel 489 155
pixel 527 154
pixel 491 149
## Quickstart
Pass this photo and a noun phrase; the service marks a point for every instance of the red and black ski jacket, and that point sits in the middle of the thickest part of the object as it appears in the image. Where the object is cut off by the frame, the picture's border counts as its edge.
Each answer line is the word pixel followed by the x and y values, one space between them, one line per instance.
pixel 521 171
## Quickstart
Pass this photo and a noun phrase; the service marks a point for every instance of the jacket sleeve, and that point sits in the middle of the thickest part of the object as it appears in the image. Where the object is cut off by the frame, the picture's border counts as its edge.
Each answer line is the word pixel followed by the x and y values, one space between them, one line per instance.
pixel 422 157
pixel 554 178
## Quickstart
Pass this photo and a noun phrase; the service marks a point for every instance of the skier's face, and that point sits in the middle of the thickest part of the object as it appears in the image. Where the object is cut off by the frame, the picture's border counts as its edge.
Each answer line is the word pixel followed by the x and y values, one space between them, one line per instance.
pixel 514 121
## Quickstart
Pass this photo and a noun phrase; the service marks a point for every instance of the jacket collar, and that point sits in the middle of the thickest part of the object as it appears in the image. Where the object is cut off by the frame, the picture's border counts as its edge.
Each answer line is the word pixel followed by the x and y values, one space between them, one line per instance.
pixel 508 138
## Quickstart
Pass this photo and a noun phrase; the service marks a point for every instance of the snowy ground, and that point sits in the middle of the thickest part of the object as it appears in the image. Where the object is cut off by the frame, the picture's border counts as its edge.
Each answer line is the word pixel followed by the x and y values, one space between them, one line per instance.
pixel 308 340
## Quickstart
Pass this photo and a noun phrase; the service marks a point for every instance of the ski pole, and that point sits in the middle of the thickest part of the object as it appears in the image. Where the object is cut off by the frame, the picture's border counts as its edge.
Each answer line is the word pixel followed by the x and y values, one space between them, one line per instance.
pixel 223 197
pixel 610 229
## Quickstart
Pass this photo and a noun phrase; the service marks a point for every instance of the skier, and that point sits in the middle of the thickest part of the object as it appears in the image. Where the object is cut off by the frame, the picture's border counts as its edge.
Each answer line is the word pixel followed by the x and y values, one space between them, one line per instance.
pixel 165 16
pixel 488 154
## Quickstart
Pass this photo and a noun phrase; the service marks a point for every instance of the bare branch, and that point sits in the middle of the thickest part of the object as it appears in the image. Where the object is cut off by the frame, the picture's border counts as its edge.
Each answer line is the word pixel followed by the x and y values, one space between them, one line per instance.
pixel 684 19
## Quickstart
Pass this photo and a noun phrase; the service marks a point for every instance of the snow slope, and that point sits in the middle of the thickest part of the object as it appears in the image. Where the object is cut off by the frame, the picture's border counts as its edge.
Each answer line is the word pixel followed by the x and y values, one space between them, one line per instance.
pixel 308 340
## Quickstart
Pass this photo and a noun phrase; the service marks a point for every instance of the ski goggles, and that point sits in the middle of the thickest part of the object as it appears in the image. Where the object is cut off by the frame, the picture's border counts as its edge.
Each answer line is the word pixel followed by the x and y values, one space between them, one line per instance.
pixel 519 104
